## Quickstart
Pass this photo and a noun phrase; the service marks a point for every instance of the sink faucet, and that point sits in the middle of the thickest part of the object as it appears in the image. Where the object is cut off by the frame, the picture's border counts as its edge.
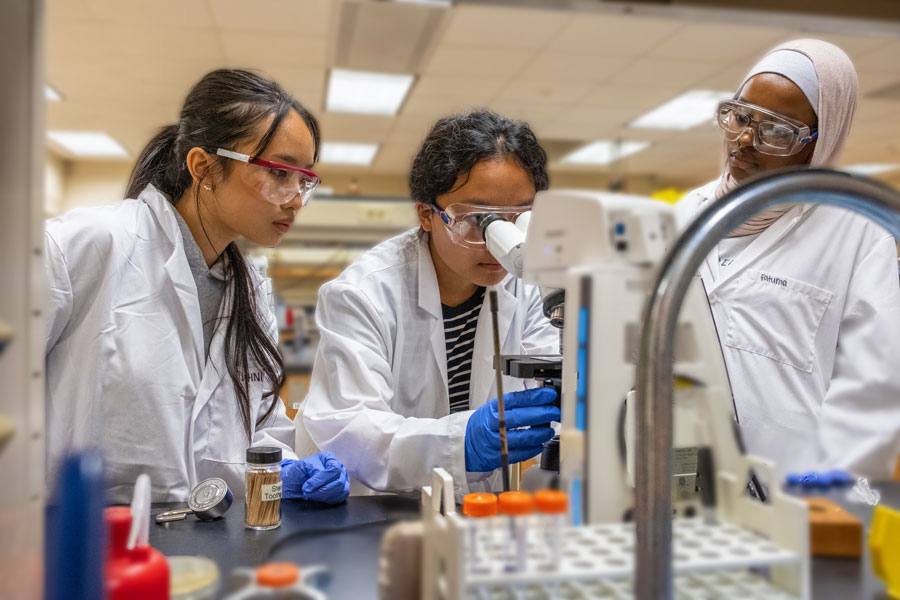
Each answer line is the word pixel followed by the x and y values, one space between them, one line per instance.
pixel 877 201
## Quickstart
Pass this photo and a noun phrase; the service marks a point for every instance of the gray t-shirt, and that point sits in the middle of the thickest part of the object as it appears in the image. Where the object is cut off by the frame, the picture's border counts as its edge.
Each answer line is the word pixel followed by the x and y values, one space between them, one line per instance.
pixel 210 282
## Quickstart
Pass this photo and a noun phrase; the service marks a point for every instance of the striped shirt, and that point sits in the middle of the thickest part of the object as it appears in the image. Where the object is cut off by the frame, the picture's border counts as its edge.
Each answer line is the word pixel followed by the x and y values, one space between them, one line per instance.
pixel 459 335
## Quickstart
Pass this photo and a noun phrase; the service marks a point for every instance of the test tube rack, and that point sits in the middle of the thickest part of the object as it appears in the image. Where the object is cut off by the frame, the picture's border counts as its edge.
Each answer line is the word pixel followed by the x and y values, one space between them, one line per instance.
pixel 763 552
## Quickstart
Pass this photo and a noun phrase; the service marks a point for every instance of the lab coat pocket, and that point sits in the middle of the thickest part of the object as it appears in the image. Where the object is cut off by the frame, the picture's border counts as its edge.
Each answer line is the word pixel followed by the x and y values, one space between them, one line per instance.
pixel 777 317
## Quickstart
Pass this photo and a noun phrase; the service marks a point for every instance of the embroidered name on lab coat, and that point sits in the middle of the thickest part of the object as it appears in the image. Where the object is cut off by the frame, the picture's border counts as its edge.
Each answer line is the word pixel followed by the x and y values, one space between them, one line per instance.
pixel 775 280
pixel 256 376
pixel 725 262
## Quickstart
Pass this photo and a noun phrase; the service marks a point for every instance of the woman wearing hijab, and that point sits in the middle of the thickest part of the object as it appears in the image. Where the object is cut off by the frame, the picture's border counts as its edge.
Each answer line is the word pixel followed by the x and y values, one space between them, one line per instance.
pixel 805 297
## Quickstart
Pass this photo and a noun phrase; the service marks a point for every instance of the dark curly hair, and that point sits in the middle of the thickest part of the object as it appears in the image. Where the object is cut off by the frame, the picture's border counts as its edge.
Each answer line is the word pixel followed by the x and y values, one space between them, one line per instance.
pixel 457 143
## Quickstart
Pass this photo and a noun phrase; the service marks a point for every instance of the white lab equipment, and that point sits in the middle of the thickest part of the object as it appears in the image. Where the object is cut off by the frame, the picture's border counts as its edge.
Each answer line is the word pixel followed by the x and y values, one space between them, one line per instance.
pixel 125 355
pixel 600 248
pixel 505 240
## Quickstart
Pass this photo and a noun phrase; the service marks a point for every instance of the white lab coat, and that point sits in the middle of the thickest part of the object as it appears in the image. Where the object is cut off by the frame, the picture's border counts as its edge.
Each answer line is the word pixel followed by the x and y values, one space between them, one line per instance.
pixel 125 355
pixel 809 319
pixel 378 396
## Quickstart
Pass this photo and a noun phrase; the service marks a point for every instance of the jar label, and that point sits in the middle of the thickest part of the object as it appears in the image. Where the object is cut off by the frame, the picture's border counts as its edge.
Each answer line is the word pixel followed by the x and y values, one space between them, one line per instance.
pixel 270 492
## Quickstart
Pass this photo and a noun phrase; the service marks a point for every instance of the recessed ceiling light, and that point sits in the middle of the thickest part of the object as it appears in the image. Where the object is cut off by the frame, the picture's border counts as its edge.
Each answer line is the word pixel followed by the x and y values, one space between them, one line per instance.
pixel 366 92
pixel 51 94
pixel 345 153
pixel 870 168
pixel 93 144
pixel 684 112
pixel 603 152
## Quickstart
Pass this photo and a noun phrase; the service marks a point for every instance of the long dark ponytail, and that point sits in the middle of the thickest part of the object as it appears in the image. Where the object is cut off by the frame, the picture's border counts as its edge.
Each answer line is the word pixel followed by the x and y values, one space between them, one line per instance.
pixel 225 108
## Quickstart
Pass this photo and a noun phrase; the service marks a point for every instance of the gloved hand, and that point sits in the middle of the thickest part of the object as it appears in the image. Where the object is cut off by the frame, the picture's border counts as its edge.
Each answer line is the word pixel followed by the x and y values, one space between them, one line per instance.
pixel 321 477
pixel 522 409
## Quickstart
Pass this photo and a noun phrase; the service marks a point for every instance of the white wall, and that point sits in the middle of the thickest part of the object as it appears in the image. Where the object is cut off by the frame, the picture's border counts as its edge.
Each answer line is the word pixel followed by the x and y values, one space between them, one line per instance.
pixel 89 183
pixel 72 184
pixel 54 184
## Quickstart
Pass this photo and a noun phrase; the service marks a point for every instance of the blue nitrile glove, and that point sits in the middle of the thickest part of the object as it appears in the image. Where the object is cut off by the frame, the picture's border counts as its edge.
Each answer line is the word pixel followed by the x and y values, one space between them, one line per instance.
pixel 522 409
pixel 321 477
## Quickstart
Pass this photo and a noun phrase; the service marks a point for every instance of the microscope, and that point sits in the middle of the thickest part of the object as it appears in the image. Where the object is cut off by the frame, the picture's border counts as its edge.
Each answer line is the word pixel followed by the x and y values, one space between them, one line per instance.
pixel 593 255
pixel 506 242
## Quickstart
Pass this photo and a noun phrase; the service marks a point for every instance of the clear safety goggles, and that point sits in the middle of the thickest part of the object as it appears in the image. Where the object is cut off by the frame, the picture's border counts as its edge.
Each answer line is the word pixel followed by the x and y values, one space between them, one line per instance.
pixel 774 134
pixel 463 221
pixel 276 182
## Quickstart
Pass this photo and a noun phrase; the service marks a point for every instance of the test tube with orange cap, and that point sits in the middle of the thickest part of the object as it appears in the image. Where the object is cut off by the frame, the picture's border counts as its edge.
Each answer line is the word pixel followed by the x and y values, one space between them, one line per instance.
pixel 552 506
pixel 517 506
pixel 479 507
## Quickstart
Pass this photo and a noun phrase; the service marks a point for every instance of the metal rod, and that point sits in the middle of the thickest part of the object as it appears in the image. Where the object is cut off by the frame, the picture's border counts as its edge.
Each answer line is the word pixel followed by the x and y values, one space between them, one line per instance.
pixel 501 409
pixel 653 569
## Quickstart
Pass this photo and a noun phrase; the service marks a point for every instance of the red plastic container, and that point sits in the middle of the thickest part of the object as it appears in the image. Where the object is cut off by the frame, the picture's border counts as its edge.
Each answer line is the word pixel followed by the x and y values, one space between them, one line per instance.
pixel 138 574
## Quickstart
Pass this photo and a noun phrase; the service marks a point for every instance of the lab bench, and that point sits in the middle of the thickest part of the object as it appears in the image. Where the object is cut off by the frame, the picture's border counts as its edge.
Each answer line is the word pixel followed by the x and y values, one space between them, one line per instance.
pixel 346 539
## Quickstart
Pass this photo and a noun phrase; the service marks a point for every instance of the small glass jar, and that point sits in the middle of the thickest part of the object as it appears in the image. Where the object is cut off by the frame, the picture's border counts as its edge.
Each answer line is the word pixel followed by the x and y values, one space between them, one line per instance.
pixel 479 508
pixel 262 501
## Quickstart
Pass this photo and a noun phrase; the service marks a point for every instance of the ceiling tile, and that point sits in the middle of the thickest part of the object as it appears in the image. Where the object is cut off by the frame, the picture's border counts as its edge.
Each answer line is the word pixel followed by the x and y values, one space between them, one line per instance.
pixel 535 113
pixel 854 45
pixel 354 128
pixel 432 107
pixel 503 27
pixel 885 57
pixel 878 112
pixel 75 10
pixel 472 89
pixel 412 125
pixel 394 157
pixel 257 49
pixel 116 78
pixel 301 19
pixel 728 78
pixel 625 132
pixel 872 82
pixel 480 62
pixel 162 13
pixel 612 35
pixel 588 123
pixel 637 98
pixel 718 42
pixel 542 91
pixel 166 42
pixel 573 66
pixel 69 39
pixel 307 84
pixel 665 72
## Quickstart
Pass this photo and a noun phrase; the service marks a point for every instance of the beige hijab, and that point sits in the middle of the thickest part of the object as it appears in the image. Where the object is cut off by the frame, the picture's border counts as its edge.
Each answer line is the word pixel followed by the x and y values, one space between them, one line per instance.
pixel 837 87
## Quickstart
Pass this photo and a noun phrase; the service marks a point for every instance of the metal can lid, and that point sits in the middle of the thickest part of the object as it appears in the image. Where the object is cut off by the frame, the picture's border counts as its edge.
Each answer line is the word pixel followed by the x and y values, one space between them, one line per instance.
pixel 207 494
pixel 263 455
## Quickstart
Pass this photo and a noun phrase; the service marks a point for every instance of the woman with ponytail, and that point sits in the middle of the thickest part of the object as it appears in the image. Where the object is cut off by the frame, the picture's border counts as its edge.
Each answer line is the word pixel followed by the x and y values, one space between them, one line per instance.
pixel 161 339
